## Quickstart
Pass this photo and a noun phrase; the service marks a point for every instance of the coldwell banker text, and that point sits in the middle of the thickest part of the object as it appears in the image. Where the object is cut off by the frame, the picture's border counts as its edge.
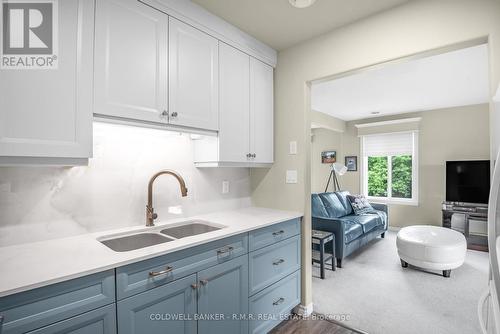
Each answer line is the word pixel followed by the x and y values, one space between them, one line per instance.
pixel 29 34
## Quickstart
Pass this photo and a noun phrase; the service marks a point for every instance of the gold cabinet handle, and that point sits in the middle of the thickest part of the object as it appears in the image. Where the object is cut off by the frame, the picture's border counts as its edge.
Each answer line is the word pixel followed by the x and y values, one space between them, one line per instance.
pixel 279 301
pixel 163 272
pixel 204 282
pixel 278 233
pixel 277 263
pixel 226 249
pixel 194 286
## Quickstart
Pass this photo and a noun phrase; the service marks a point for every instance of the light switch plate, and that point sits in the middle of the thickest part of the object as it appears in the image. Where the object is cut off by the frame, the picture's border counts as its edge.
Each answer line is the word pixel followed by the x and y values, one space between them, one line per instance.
pixel 225 187
pixel 291 176
pixel 293 147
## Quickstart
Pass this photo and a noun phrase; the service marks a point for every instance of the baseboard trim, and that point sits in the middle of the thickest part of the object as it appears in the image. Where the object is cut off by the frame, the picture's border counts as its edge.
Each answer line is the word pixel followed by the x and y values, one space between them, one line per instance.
pixel 303 310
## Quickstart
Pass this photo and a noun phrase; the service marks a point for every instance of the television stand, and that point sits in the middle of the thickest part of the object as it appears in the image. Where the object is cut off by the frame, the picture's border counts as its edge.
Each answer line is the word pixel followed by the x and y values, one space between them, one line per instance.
pixel 475 226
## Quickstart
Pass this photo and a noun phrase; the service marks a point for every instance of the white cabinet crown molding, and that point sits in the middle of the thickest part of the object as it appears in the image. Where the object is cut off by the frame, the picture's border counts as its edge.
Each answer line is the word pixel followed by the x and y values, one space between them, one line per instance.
pixel 213 25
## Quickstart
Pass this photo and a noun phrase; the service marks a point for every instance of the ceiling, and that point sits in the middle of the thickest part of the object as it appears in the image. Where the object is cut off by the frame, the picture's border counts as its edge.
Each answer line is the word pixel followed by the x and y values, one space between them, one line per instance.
pixel 278 24
pixel 452 79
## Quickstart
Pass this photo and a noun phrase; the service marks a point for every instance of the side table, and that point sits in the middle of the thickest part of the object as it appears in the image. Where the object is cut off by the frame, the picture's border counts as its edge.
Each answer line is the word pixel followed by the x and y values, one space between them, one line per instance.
pixel 320 256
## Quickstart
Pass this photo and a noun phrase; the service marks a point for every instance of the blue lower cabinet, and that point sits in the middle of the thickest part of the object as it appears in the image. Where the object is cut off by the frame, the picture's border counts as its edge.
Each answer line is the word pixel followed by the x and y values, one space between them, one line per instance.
pixel 100 321
pixel 168 309
pixel 204 289
pixel 136 278
pixel 272 263
pixel 30 310
pixel 223 298
pixel 273 305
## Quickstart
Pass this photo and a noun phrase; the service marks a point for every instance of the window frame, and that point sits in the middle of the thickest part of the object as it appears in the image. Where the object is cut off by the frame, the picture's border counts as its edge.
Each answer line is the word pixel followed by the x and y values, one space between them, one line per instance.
pixel 414 201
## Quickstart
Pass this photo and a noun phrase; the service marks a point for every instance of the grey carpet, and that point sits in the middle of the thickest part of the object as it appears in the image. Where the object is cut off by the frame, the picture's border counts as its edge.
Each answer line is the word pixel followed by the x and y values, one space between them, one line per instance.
pixel 381 297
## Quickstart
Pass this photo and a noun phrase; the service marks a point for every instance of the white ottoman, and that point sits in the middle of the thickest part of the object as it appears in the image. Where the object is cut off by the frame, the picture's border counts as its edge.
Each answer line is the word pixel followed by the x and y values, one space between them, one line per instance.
pixel 431 247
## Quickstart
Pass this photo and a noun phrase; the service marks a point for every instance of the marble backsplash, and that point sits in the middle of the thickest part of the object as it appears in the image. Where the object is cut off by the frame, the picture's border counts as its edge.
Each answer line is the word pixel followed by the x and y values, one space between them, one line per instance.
pixel 39 203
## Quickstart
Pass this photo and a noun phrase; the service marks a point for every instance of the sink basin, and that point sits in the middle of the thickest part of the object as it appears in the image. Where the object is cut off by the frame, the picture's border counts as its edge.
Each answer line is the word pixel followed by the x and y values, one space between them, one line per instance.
pixel 135 241
pixel 189 229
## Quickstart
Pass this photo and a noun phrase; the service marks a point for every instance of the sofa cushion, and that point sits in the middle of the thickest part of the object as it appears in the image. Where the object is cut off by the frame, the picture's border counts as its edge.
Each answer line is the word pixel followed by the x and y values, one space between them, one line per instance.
pixel 342 195
pixel 332 204
pixel 360 204
pixel 367 221
pixel 317 207
pixel 353 230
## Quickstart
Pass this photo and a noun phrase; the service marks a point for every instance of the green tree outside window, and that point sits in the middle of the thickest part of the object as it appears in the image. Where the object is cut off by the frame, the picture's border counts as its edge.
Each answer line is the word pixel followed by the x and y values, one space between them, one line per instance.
pixel 401 175
pixel 377 176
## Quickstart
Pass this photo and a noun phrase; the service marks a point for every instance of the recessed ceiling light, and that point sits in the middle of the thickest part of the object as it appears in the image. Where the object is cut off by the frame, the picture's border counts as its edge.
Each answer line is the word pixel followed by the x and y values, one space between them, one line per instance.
pixel 301 3
pixel 375 112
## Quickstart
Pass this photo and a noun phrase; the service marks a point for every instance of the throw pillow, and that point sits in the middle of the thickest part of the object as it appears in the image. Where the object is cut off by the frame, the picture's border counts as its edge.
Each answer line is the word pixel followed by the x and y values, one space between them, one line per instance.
pixel 360 204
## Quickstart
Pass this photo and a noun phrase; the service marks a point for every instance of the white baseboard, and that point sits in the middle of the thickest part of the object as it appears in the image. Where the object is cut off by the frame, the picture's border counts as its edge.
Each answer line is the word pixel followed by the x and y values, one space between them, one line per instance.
pixel 303 310
pixel 394 228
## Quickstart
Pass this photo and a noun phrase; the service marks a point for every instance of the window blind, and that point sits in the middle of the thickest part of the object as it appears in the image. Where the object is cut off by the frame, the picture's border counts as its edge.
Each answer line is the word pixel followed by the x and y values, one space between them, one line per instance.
pixel 400 143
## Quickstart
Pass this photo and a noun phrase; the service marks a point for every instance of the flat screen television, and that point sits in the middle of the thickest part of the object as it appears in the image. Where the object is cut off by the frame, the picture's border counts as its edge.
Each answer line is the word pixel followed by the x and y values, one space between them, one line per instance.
pixel 468 181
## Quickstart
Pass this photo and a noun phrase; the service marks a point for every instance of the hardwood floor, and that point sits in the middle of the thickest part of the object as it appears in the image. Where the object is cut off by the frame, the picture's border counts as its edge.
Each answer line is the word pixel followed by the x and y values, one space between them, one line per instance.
pixel 311 326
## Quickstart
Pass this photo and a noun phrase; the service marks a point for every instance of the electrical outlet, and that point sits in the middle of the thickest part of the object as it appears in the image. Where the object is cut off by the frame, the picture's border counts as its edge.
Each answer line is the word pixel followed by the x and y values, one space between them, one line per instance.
pixel 225 187
pixel 291 176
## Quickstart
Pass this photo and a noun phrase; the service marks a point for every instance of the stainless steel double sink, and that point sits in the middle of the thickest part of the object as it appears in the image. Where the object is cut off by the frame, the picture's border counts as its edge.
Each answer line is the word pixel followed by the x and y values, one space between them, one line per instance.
pixel 159 235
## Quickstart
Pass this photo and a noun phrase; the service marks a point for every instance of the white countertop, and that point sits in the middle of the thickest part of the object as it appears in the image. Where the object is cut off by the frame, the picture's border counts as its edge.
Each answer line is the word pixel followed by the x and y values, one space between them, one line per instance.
pixel 27 266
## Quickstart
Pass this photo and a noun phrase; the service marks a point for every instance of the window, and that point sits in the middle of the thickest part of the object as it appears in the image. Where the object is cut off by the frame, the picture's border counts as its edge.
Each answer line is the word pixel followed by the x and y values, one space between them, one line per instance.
pixel 390 167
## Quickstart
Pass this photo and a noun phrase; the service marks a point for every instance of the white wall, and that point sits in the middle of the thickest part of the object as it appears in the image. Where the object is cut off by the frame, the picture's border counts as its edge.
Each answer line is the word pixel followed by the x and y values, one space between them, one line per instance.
pixel 460 133
pixel 38 203
pixel 416 27
pixel 323 140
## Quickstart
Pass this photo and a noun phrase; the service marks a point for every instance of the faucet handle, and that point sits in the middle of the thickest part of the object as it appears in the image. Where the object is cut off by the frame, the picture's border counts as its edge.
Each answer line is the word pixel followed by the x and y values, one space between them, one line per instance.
pixel 151 215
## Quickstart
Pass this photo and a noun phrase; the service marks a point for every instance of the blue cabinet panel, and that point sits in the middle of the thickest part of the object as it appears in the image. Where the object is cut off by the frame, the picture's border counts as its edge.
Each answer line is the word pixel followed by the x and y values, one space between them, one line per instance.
pixel 167 309
pixel 270 264
pixel 269 235
pixel 100 321
pixel 275 302
pixel 136 278
pixel 40 307
pixel 223 291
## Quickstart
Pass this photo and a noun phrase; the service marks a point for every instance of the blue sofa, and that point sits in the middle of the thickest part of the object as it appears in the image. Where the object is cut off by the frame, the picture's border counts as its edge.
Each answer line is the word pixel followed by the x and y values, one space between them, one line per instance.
pixel 333 212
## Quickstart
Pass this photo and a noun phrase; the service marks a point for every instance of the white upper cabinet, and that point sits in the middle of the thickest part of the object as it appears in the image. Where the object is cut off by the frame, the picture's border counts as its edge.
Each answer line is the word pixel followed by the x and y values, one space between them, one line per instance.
pixel 47 113
pixel 261 112
pixel 131 61
pixel 193 77
pixel 161 63
pixel 246 114
pixel 234 141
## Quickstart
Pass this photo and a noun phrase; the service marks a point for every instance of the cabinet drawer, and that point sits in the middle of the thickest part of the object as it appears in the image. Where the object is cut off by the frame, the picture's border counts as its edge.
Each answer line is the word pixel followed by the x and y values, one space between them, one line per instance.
pixel 100 321
pixel 269 235
pixel 137 277
pixel 274 303
pixel 40 307
pixel 272 263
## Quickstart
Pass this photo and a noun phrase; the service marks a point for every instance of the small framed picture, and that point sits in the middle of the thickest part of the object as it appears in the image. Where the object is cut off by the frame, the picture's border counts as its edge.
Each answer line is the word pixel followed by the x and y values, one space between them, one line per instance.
pixel 328 157
pixel 351 163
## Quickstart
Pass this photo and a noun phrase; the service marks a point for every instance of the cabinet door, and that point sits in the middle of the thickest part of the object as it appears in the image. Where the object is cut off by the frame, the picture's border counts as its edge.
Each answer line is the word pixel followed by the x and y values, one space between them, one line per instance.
pixel 168 309
pixel 193 77
pixel 261 111
pixel 48 113
pixel 223 290
pixel 234 104
pixel 131 61
pixel 100 321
